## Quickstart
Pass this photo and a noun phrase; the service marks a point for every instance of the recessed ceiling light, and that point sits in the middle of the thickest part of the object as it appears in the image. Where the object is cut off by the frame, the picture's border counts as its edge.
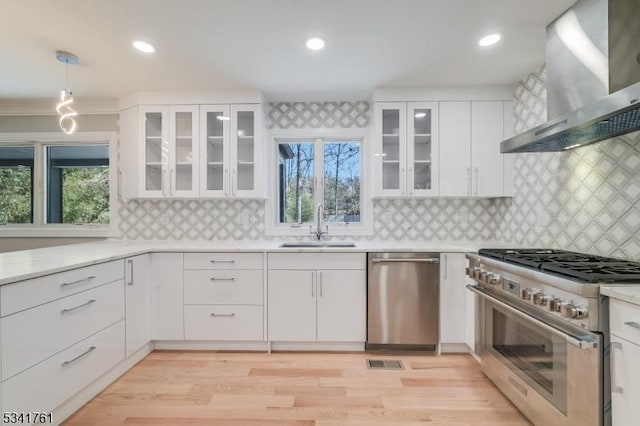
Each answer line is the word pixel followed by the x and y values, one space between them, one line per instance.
pixel 143 46
pixel 315 43
pixel 490 39
pixel 420 114
pixel 222 117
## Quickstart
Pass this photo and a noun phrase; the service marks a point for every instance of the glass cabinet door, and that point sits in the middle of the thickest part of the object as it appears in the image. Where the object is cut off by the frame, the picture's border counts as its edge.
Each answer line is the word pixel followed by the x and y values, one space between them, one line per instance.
pixel 156 151
pixel 422 147
pixel 243 164
pixel 390 153
pixel 183 172
pixel 215 130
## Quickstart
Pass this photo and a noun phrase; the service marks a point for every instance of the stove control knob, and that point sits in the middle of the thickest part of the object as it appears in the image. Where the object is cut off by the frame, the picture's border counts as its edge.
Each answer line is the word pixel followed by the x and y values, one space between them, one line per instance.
pixel 527 293
pixel 566 308
pixel 555 303
pixel 578 312
pixel 540 299
pixel 493 278
pixel 475 274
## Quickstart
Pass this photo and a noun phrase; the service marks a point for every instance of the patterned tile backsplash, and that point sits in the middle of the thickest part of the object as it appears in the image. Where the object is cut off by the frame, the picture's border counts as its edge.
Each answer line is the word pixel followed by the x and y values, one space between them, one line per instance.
pixel 586 199
pixel 314 115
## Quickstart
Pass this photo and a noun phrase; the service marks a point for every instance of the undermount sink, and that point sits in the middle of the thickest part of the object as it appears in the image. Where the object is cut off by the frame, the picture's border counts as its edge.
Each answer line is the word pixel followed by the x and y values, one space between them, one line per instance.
pixel 321 244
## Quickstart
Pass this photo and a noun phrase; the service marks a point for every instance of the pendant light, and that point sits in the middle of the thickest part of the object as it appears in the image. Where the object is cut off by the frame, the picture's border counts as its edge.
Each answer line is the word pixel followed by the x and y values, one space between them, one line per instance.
pixel 64 108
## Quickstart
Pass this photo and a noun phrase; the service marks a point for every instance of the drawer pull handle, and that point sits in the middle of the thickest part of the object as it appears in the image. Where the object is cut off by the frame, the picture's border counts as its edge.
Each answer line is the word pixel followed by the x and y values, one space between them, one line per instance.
pixel 83 354
pixel 223 261
pixel 615 388
pixel 81 280
pixel 632 324
pixel 222 279
pixel 87 303
pixel 223 315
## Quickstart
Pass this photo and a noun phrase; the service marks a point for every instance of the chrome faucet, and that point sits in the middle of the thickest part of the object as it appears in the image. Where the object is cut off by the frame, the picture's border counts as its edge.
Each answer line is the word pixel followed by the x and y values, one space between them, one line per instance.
pixel 319 232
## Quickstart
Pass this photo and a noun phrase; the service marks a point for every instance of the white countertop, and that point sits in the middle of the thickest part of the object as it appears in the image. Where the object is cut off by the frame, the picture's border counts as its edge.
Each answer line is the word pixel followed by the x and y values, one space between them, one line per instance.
pixel 25 264
pixel 626 293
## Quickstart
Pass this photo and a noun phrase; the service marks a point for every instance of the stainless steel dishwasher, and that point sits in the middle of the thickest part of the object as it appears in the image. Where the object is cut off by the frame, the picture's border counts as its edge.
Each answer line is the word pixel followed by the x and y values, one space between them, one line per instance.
pixel 403 293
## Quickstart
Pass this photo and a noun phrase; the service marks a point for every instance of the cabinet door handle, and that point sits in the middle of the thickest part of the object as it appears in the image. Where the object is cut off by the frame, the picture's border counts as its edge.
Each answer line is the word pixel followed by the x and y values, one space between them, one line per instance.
pixel 130 262
pixel 468 181
pixel 225 182
pixel 313 279
pixel 476 172
pixel 234 182
pixel 614 387
pixel 445 266
pixel 87 303
pixel 232 314
pixel 402 182
pixel 411 182
pixel 320 275
pixel 222 279
pixel 163 183
pixel 172 181
pixel 119 183
pixel 632 324
pixel 83 354
pixel 81 280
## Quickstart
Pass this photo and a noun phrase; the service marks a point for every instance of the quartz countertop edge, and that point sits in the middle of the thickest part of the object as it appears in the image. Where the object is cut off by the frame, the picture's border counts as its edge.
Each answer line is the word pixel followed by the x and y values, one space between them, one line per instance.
pixel 26 264
pixel 626 293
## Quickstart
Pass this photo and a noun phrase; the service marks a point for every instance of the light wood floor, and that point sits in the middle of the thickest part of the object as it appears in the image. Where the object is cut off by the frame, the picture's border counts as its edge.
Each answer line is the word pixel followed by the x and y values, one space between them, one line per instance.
pixel 292 389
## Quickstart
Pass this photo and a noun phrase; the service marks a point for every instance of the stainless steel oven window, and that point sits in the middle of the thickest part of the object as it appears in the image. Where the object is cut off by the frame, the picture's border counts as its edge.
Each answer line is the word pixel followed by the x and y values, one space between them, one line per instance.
pixel 537 356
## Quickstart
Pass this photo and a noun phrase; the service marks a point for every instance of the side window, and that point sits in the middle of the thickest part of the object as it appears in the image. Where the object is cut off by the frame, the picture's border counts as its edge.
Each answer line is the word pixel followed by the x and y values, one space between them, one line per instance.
pixel 16 185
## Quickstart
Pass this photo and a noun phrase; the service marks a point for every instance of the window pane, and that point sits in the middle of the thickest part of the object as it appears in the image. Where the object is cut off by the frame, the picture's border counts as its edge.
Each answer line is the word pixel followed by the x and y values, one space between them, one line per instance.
pixel 295 182
pixel 342 182
pixel 78 184
pixel 16 185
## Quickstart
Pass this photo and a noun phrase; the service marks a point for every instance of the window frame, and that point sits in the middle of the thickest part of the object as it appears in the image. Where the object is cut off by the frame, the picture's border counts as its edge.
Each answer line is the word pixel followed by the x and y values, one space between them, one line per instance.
pixel 39 227
pixel 272 225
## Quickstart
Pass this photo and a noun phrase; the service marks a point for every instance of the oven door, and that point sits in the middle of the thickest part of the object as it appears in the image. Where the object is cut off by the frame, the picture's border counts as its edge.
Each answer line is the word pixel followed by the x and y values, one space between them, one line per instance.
pixel 552 375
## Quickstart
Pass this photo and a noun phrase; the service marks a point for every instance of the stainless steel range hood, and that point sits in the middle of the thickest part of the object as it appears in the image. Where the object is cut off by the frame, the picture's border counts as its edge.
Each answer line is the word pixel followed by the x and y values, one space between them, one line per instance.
pixel 593 77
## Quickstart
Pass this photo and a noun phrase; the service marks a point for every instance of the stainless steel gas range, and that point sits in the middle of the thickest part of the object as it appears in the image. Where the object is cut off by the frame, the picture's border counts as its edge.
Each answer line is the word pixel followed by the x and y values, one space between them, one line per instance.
pixel 544 330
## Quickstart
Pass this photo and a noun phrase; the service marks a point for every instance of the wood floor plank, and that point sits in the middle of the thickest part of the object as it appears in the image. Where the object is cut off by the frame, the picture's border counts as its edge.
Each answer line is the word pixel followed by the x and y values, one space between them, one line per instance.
pixel 298 389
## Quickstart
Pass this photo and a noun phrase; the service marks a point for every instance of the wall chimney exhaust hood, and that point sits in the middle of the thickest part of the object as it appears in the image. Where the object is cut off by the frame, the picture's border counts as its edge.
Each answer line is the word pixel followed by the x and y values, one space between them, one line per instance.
pixel 593 77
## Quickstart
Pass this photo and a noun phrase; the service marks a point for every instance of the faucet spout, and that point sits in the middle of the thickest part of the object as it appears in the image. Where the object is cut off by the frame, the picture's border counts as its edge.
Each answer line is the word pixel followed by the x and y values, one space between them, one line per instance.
pixel 319 213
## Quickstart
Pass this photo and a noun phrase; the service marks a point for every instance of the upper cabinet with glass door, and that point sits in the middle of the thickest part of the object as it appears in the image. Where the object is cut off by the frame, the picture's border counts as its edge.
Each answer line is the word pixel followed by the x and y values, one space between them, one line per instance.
pixel 232 150
pixel 406 149
pixel 184 152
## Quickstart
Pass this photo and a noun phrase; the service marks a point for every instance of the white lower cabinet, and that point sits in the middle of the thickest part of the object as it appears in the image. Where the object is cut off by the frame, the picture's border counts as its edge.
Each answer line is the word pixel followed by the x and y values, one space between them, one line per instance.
pixel 138 302
pixel 48 384
pixel 167 306
pixel 317 305
pixel 223 322
pixel 452 298
pixel 35 334
pixel 624 321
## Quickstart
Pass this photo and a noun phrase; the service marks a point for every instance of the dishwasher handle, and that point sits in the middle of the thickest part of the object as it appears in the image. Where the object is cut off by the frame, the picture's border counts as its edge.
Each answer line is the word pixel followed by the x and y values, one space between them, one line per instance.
pixel 399 259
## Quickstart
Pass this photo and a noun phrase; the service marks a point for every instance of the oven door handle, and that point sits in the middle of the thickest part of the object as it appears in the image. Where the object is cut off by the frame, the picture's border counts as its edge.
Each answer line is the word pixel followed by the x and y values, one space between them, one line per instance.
pixel 582 342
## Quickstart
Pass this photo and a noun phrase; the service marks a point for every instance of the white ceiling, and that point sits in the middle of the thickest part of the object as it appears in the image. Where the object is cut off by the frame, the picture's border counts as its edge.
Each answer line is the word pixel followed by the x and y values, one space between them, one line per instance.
pixel 214 44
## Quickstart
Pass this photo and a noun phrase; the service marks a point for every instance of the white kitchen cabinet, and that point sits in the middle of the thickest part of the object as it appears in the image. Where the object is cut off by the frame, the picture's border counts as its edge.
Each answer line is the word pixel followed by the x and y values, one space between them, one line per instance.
pixel 452 298
pixel 159 152
pixel 138 302
pixel 317 305
pixel 406 149
pixel 625 370
pixel 167 295
pixel 471 164
pixel 231 150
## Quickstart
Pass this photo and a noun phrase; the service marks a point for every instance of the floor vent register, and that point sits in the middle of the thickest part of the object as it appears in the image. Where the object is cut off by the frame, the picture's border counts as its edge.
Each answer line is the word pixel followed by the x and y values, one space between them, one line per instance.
pixel 385 364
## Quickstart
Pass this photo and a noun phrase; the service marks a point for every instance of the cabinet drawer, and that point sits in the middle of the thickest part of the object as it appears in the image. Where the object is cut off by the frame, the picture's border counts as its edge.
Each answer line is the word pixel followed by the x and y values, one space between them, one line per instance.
pixel 30 336
pixel 223 261
pixel 223 322
pixel 317 261
pixel 223 287
pixel 48 384
pixel 625 320
pixel 29 293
